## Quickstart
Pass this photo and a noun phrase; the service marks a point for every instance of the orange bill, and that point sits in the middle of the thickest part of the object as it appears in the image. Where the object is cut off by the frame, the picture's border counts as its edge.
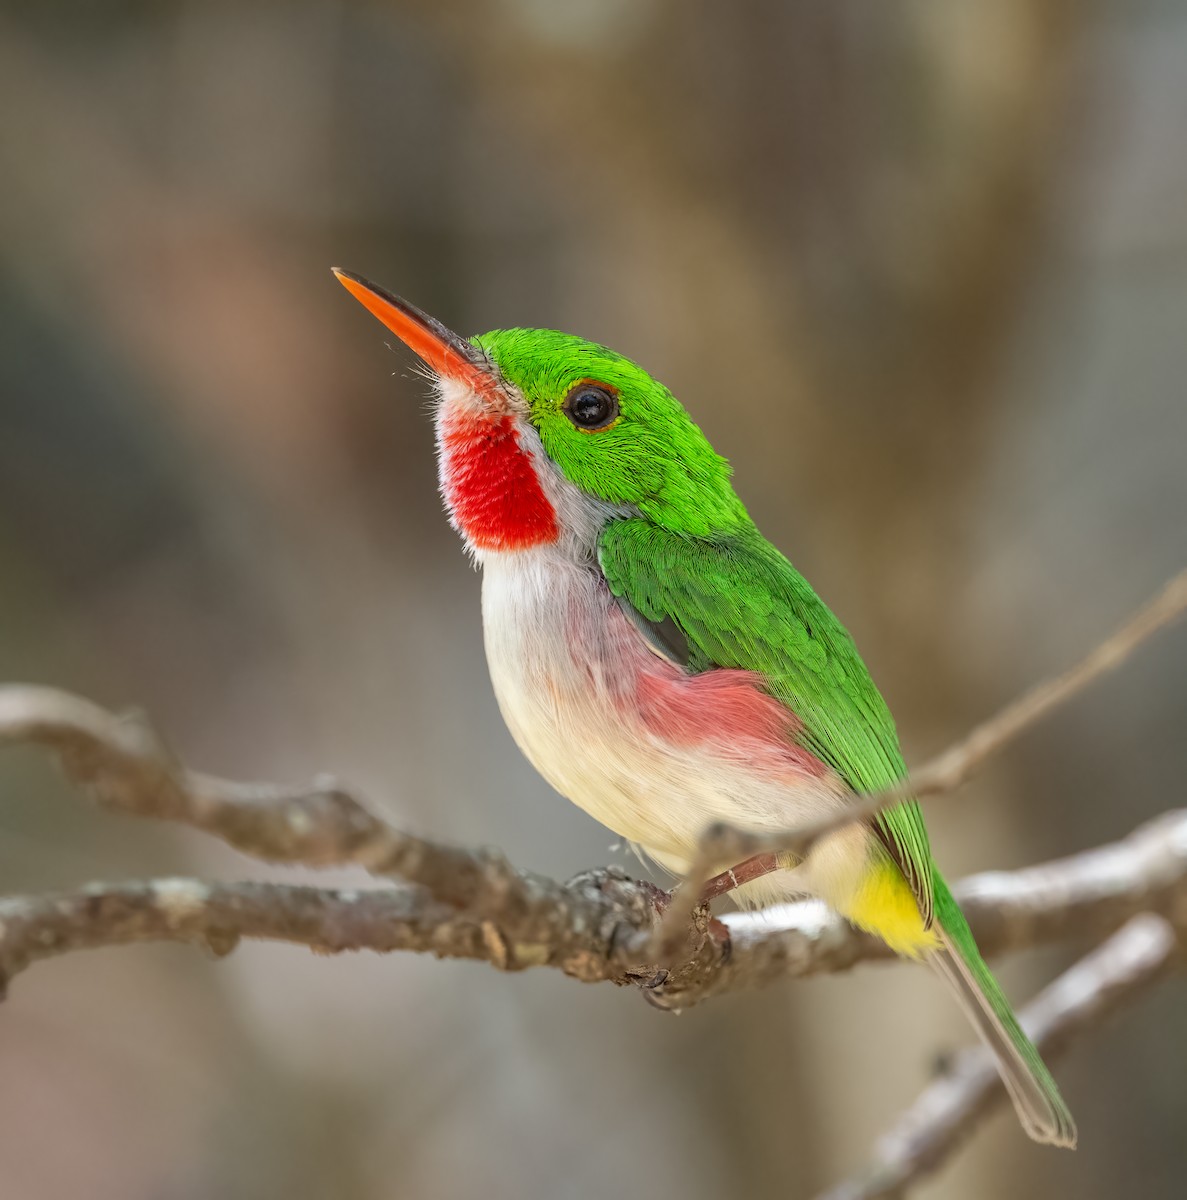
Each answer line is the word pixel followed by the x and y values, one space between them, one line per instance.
pixel 449 355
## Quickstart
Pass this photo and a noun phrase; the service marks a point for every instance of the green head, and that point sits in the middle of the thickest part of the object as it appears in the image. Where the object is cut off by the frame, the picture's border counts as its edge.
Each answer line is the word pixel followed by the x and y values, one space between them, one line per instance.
pixel 614 431
pixel 543 434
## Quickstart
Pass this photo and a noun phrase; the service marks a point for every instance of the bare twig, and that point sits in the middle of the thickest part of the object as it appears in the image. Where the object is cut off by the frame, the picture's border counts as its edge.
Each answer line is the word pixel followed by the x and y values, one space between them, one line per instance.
pixel 602 927
pixel 723 844
pixel 580 940
pixel 124 764
pixel 1079 1001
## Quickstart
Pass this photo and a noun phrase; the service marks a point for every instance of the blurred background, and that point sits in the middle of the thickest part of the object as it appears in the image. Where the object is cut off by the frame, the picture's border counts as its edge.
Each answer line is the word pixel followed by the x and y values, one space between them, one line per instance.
pixel 920 271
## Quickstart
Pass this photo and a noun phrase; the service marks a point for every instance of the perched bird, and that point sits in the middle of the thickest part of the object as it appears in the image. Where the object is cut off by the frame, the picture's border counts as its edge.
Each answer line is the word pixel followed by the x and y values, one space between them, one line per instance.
pixel 663 665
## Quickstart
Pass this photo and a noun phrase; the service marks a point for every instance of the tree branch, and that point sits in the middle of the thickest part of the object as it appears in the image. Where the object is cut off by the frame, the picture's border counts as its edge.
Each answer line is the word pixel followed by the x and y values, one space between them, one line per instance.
pixel 603 925
pixel 597 927
pixel 1077 1003
pixel 125 765
pixel 327 920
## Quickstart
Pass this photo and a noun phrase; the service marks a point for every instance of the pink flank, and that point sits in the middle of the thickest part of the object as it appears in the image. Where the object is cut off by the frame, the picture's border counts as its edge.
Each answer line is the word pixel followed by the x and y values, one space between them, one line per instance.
pixel 725 708
pixel 724 712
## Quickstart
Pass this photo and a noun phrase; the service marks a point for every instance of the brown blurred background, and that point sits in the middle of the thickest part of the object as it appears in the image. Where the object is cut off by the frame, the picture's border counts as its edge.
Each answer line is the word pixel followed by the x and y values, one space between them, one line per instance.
pixel 920 270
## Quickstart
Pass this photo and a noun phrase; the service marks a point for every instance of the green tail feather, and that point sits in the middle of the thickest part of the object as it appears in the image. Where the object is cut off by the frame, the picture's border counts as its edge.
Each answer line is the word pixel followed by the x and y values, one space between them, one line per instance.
pixel 1035 1094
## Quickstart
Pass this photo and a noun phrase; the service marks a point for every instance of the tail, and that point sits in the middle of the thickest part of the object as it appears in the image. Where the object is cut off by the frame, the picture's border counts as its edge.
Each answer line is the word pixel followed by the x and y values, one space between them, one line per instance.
pixel 1040 1107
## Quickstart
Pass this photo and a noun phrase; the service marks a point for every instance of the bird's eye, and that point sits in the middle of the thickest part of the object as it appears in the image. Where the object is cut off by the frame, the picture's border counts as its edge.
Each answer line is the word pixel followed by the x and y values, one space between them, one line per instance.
pixel 591 407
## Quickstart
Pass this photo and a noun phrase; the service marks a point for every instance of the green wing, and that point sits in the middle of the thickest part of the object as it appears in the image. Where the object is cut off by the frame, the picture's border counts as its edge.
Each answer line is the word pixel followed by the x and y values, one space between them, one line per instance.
pixel 739 603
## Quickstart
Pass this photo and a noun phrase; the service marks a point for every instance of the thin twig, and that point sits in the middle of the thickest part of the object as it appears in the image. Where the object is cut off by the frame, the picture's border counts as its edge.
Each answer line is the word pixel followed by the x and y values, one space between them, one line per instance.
pixel 1077 1003
pixel 724 844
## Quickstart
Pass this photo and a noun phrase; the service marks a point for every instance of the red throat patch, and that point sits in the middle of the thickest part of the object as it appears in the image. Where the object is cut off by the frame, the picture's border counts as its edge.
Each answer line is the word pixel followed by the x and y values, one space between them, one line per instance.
pixel 490 484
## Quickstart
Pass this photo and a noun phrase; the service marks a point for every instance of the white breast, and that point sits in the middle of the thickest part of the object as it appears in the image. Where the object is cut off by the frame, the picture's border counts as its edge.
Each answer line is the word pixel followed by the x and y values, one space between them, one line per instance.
pixel 566 664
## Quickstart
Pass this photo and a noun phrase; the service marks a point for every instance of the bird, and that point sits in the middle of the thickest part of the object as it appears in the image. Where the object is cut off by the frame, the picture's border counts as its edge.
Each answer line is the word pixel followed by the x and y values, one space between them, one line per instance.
pixel 664 666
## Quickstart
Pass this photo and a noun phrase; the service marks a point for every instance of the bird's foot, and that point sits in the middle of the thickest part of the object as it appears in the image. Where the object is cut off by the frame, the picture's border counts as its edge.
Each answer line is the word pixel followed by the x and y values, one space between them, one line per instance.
pixel 661 901
pixel 672 935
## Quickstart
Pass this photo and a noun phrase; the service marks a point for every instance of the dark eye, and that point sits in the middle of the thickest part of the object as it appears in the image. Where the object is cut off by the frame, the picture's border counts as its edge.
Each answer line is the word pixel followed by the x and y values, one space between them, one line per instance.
pixel 590 406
